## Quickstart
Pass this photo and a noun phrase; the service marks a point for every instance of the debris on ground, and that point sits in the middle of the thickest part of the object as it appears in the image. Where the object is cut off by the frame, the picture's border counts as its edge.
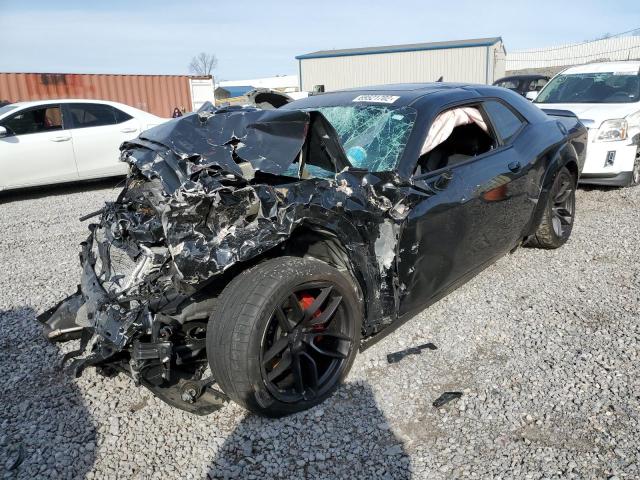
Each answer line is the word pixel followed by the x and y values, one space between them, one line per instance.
pixel 18 460
pixel 397 356
pixel 445 398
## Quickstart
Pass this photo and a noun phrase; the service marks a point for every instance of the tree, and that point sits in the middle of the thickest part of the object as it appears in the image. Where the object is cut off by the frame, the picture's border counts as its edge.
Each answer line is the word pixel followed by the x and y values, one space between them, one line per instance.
pixel 203 64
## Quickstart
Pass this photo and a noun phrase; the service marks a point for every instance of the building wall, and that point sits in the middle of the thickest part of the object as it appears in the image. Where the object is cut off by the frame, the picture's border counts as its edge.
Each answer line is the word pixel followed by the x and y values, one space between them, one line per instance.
pixel 455 65
pixel 157 94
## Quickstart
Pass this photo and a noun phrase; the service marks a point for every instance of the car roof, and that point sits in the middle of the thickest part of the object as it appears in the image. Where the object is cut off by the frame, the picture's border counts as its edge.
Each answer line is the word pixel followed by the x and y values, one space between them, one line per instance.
pixel 627 67
pixel 407 94
pixel 424 97
pixel 34 103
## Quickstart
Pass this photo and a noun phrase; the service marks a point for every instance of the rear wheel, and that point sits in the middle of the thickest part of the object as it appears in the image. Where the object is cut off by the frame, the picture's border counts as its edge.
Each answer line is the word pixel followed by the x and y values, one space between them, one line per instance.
pixel 283 335
pixel 557 220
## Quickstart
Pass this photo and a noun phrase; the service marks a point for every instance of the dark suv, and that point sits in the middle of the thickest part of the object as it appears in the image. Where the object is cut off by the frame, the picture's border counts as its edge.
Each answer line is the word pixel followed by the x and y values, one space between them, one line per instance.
pixel 523 84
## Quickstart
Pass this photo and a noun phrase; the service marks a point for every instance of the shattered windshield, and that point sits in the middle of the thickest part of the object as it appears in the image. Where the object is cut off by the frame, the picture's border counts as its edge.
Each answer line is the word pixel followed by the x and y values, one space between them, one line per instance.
pixel 372 136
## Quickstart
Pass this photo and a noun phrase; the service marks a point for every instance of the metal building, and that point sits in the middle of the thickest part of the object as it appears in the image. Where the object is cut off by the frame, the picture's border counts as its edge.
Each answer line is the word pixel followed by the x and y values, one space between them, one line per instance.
pixel 479 60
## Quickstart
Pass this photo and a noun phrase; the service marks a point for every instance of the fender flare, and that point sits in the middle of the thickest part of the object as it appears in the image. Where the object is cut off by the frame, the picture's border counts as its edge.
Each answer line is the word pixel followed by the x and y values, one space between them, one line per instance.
pixel 565 156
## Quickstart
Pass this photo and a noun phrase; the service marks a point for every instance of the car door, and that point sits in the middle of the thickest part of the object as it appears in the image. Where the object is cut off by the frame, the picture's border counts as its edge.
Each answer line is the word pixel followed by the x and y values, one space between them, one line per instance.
pixel 520 156
pixel 37 149
pixel 465 223
pixel 98 130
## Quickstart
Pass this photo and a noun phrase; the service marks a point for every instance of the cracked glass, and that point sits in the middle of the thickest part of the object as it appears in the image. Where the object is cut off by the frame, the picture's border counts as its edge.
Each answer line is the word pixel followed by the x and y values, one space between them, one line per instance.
pixel 373 136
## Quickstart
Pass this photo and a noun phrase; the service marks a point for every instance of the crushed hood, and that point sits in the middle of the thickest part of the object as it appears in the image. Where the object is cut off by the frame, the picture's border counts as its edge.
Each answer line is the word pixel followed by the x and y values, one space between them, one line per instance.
pixel 270 141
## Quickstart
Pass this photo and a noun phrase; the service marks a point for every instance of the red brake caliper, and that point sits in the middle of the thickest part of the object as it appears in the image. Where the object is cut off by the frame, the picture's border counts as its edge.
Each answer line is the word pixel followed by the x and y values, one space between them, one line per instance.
pixel 305 302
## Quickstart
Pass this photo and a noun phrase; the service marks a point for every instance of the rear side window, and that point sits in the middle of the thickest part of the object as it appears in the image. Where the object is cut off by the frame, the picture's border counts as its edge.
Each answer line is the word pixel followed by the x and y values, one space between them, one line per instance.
pixel 507 123
pixel 511 84
pixel 35 120
pixel 86 115
pixel 121 116
pixel 536 85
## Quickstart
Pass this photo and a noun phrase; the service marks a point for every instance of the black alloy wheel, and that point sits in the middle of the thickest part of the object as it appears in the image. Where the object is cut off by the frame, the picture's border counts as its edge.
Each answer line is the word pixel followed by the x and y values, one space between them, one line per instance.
pixel 283 334
pixel 306 343
pixel 562 210
pixel 635 174
pixel 558 213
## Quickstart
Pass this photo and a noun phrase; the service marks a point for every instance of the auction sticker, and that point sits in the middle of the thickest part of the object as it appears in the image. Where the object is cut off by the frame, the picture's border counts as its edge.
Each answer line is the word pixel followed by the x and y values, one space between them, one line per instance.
pixel 376 98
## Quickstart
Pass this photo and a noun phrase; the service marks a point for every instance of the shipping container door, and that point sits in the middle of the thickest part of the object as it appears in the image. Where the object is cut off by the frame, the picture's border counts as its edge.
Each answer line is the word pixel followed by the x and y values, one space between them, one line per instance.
pixel 201 91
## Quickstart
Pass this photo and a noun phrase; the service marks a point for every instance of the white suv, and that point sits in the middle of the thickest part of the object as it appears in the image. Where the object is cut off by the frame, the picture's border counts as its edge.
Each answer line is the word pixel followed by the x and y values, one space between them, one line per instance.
pixel 606 98
pixel 53 141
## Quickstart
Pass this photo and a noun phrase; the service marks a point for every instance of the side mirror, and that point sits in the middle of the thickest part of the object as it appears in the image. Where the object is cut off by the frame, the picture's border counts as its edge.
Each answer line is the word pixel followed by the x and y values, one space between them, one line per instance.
pixel 532 95
pixel 3 132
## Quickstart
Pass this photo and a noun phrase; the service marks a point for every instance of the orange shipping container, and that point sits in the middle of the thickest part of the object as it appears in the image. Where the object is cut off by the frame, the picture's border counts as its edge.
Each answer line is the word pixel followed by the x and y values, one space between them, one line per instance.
pixel 157 94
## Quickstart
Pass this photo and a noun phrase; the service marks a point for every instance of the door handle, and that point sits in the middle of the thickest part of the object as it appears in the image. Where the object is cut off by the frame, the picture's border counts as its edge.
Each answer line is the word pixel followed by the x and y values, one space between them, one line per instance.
pixel 61 138
pixel 514 166
pixel 129 130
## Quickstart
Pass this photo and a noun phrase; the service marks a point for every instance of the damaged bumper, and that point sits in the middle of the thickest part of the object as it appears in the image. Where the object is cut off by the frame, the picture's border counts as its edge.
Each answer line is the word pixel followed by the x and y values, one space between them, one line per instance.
pixel 59 322
pixel 106 327
pixel 91 308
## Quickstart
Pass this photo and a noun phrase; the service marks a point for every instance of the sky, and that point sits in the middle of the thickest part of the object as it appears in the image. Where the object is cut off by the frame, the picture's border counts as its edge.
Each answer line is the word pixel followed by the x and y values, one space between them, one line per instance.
pixel 258 39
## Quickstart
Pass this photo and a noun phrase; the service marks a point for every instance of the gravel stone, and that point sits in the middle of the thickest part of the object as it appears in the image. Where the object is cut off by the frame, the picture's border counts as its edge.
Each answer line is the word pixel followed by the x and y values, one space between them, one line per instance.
pixel 544 345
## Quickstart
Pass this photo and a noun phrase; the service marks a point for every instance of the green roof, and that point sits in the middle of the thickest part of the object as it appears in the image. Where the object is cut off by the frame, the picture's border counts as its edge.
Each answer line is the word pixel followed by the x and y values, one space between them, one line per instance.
pixel 411 47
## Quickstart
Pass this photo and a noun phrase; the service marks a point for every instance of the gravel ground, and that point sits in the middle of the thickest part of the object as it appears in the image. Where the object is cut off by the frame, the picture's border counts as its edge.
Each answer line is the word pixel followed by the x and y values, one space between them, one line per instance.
pixel 543 344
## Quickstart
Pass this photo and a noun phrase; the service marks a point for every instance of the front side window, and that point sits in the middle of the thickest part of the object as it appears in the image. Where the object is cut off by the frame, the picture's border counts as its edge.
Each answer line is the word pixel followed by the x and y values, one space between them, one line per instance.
pixel 504 120
pixel 91 115
pixel 35 120
pixel 454 137
pixel 602 87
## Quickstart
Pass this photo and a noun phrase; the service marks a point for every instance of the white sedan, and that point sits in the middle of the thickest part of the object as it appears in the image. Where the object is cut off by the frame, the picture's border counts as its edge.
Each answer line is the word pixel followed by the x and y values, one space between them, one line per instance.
pixel 53 141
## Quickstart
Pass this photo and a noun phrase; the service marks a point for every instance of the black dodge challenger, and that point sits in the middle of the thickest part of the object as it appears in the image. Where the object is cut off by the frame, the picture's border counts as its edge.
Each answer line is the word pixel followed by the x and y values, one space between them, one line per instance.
pixel 253 251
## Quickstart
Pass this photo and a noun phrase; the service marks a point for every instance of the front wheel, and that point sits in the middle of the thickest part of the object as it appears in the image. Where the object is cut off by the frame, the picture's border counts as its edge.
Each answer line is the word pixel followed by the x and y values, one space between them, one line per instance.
pixel 284 335
pixel 559 212
pixel 635 174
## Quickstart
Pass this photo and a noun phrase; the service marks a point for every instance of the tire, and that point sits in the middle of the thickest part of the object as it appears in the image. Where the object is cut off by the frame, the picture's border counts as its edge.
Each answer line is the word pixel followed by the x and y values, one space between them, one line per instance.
pixel 635 174
pixel 262 366
pixel 559 213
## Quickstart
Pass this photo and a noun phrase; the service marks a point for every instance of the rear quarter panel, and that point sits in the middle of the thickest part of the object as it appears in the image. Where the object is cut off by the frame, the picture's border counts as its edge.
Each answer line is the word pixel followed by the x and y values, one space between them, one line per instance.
pixel 566 146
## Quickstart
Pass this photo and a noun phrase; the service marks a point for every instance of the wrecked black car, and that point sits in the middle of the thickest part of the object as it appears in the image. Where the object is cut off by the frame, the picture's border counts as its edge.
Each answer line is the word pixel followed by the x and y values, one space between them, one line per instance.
pixel 253 251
